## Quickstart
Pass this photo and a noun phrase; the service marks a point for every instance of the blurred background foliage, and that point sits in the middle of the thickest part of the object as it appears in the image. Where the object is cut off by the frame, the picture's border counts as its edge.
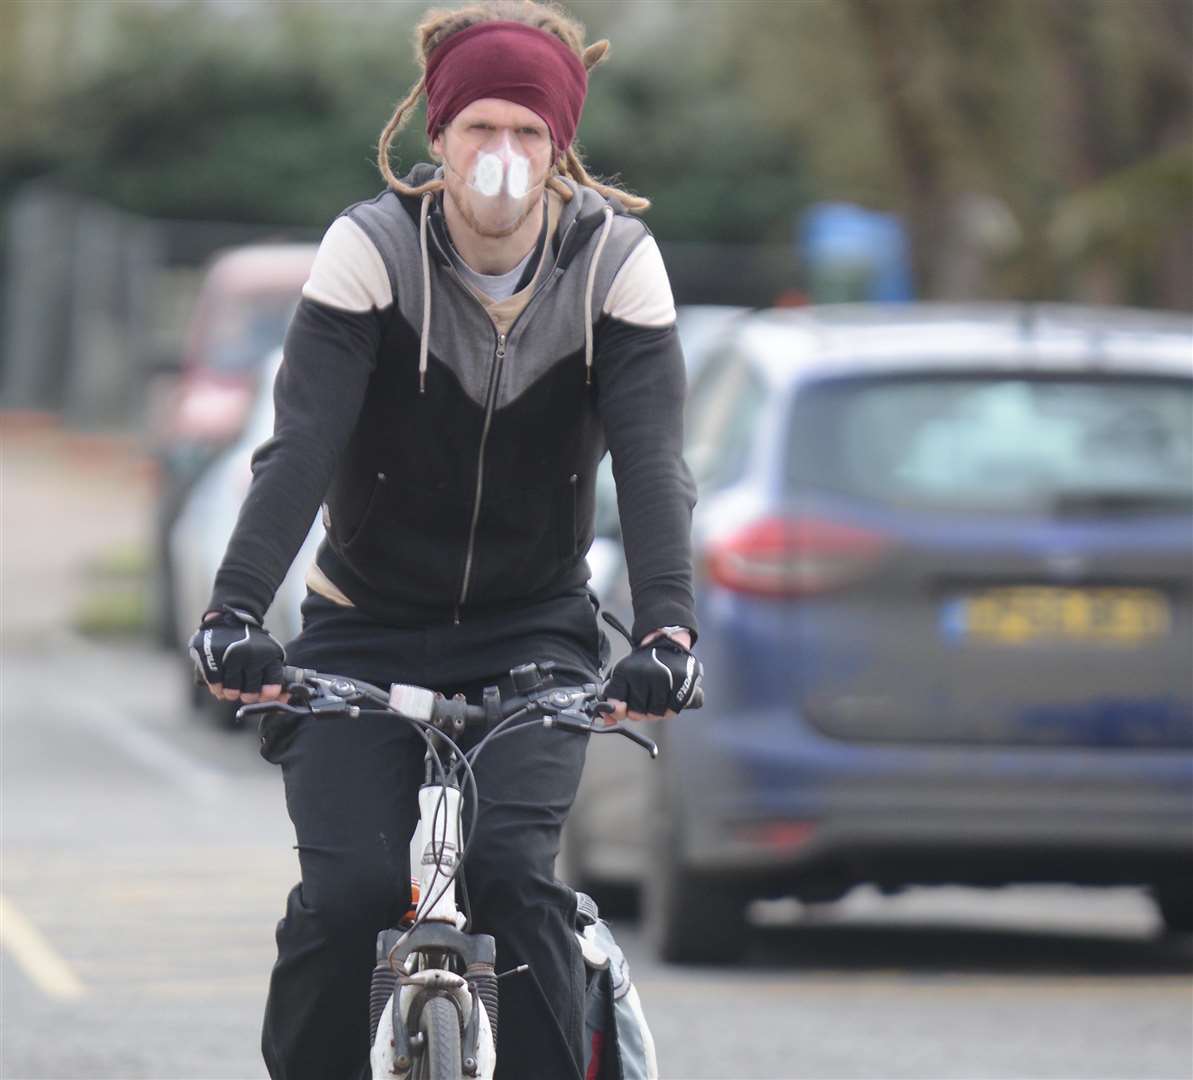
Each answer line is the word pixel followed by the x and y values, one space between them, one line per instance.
pixel 1035 148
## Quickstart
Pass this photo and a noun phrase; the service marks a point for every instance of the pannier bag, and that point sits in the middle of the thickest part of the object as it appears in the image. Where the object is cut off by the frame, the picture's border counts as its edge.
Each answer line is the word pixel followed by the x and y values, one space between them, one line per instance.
pixel 617 1041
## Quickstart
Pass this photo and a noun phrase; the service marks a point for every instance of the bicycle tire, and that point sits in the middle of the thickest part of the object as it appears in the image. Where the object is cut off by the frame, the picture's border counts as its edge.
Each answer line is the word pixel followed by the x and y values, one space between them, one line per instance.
pixel 439 1024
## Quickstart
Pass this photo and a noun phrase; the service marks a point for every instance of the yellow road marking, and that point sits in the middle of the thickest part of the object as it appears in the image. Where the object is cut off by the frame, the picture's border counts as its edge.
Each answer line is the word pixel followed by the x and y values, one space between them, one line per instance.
pixel 36 956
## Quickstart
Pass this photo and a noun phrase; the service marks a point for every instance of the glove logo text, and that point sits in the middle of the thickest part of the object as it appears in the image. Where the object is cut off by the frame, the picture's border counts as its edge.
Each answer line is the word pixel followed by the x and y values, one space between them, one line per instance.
pixel 682 696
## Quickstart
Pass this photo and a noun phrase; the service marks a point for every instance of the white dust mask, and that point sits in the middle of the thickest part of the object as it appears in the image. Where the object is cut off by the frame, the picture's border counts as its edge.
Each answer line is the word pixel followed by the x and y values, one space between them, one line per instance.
pixel 497 174
pixel 500 188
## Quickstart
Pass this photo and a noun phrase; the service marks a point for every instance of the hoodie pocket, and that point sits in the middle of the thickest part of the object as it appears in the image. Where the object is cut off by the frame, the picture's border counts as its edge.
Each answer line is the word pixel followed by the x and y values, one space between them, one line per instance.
pixel 524 540
pixel 410 541
pixel 569 529
pixel 375 498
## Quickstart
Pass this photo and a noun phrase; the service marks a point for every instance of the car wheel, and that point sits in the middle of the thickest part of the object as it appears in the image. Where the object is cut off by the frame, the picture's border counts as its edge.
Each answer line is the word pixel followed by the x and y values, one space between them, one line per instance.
pixel 1176 908
pixel 165 585
pixel 689 918
pixel 570 863
pixel 165 606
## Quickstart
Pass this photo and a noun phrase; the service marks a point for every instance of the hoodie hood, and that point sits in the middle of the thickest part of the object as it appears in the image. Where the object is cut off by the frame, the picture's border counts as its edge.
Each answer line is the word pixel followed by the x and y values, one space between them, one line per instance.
pixel 586 210
pixel 584 214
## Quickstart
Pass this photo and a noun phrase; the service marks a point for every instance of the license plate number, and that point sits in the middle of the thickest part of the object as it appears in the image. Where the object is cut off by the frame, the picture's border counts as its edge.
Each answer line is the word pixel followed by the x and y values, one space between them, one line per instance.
pixel 1026 614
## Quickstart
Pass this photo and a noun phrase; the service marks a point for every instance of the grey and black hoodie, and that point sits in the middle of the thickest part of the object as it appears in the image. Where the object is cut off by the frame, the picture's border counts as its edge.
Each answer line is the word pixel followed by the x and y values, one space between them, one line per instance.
pixel 454 443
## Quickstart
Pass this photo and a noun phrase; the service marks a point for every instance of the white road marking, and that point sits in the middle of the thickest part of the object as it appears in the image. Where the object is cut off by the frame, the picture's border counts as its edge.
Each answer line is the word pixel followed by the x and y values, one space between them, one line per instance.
pixel 36 956
pixel 120 727
pixel 146 747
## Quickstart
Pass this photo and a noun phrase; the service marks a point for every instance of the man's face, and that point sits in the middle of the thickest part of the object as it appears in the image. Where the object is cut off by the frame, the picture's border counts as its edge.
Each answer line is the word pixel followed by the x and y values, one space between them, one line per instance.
pixel 497 156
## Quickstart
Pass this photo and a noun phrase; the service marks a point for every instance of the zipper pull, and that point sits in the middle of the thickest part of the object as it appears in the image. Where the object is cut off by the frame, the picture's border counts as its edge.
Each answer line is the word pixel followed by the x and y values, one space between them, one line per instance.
pixel 500 346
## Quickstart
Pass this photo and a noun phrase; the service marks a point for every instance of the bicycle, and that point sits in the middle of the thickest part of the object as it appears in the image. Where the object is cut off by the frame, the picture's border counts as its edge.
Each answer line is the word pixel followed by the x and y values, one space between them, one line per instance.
pixel 433 1002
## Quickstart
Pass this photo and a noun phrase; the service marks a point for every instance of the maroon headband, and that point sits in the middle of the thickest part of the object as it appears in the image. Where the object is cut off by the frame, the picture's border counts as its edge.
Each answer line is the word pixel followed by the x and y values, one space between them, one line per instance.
pixel 511 61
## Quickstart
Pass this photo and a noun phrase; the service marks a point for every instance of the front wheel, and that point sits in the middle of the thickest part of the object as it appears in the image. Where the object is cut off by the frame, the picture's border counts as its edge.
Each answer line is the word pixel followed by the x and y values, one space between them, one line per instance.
pixel 439 1026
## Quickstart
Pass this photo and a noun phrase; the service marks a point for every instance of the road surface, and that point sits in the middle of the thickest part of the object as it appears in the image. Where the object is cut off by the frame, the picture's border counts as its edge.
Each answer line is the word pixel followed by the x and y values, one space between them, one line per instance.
pixel 146 858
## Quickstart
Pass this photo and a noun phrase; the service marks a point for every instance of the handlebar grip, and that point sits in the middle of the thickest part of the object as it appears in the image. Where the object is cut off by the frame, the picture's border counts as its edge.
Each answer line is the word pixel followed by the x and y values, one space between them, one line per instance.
pixel 292 674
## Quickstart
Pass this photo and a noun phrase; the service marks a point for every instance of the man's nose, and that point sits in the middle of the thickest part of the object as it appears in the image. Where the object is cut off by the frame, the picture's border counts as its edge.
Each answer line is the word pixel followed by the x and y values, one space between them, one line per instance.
pixel 502 143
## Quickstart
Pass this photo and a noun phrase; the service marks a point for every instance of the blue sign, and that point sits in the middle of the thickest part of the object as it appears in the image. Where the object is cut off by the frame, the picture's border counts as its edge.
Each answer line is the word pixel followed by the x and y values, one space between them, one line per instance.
pixel 850 253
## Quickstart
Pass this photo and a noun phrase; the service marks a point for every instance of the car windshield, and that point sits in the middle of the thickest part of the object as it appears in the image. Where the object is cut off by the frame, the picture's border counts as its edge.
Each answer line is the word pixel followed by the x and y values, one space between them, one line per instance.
pixel 1014 444
pixel 244 329
pixel 721 421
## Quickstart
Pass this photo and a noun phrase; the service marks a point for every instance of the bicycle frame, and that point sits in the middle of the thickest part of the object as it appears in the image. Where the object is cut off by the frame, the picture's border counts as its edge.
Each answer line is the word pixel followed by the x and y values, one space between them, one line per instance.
pixel 421 954
pixel 435 958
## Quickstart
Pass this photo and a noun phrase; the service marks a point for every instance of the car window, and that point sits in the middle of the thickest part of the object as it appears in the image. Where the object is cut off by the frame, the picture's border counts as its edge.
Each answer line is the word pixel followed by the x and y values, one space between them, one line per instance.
pixel 243 330
pixel 722 417
pixel 723 381
pixel 998 443
pixel 607 522
pixel 701 329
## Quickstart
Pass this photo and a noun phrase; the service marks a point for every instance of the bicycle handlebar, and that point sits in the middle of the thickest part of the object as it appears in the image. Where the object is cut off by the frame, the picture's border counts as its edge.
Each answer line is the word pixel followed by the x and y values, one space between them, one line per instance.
pixel 568 708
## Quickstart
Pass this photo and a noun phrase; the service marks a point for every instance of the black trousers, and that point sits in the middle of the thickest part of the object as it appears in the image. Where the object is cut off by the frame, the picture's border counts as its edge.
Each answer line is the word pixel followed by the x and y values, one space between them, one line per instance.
pixel 351 791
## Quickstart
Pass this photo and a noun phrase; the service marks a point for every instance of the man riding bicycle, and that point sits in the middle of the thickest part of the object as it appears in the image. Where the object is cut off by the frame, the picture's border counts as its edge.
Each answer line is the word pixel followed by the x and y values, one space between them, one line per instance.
pixel 469 344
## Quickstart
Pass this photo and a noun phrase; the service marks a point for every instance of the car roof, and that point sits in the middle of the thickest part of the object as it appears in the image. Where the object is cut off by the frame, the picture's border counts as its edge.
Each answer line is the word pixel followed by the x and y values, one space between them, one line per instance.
pixel 885 338
pixel 702 316
pixel 261 267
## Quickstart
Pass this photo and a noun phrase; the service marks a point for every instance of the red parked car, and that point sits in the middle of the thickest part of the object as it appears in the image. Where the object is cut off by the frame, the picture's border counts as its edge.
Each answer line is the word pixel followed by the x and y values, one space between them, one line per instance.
pixel 240 318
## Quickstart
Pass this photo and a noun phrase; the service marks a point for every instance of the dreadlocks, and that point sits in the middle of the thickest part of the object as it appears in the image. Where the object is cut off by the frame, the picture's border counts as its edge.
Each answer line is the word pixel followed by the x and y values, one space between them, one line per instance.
pixel 439 24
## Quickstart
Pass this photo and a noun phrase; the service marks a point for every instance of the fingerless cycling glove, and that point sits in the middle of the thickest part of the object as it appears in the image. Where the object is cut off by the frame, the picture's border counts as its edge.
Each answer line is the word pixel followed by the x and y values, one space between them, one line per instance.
pixel 656 678
pixel 232 648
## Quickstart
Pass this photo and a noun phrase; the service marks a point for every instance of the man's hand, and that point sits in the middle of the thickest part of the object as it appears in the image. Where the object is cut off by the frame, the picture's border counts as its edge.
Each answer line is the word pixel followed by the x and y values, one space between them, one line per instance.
pixel 654 684
pixel 238 659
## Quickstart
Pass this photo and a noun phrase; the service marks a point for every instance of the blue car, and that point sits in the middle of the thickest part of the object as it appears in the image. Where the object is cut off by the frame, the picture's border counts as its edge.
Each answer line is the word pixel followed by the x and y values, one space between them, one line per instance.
pixel 945 562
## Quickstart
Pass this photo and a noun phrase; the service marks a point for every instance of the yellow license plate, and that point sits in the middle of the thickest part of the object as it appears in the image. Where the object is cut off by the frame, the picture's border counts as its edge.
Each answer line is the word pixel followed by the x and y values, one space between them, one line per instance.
pixel 1025 614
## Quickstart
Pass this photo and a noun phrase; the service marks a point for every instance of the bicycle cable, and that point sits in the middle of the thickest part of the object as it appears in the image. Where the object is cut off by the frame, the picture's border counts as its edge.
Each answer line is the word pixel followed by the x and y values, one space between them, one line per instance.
pixel 502 725
pixel 464 762
pixel 424 730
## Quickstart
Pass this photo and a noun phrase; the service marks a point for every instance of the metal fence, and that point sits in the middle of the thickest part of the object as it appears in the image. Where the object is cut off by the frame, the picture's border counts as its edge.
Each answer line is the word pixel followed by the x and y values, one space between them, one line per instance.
pixel 94 300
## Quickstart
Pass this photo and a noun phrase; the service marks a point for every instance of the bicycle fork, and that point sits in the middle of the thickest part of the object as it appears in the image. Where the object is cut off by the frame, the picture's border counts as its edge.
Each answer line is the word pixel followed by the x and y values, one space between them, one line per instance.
pixel 404 979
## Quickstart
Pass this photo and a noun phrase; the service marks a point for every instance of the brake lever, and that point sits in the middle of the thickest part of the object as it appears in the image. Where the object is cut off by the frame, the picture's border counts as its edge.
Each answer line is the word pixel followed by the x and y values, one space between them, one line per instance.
pixel 629 733
pixel 258 708
pixel 580 723
pixel 319 706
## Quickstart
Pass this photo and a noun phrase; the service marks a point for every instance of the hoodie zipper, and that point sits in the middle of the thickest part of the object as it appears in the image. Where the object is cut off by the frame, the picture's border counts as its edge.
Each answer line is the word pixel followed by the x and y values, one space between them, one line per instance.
pixel 490 402
pixel 494 378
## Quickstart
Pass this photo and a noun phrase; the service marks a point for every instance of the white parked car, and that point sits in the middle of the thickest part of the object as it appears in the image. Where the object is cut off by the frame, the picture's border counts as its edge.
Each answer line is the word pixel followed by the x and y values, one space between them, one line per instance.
pixel 202 530
pixel 602 838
